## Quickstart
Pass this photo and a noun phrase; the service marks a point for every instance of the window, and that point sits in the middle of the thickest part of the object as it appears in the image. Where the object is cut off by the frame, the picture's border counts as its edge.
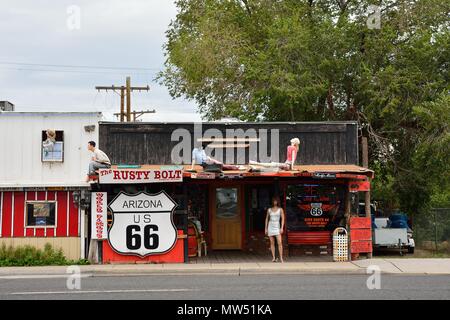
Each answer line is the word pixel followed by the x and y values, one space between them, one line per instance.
pixel 41 213
pixel 312 207
pixel 52 146
pixel 260 199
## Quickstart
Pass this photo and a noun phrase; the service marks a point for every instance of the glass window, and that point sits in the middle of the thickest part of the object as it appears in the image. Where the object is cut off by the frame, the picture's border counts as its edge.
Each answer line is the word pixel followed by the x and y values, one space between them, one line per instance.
pixel 226 203
pixel 41 214
pixel 312 207
pixel 260 198
pixel 52 146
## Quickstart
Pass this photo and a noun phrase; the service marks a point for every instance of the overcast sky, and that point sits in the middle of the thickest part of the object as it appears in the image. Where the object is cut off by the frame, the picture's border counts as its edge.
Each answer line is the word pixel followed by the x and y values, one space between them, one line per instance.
pixel 35 34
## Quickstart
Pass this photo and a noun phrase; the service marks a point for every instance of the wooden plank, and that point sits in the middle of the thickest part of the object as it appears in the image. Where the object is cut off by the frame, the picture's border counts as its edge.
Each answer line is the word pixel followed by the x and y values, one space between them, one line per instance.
pixel 150 143
pixel 360 223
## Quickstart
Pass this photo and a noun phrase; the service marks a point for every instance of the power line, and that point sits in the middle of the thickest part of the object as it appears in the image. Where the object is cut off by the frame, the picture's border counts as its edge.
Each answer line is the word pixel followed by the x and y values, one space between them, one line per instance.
pixel 75 66
pixel 75 71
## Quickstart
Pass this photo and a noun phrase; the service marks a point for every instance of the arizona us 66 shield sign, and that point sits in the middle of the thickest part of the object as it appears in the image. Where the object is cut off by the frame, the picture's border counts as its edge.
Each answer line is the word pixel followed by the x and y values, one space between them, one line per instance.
pixel 142 224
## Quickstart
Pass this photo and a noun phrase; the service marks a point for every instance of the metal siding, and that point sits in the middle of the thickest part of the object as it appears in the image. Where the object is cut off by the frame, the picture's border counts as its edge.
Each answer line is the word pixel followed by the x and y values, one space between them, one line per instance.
pixel 7 214
pixel 61 228
pixel 19 201
pixel 73 214
pixel 21 136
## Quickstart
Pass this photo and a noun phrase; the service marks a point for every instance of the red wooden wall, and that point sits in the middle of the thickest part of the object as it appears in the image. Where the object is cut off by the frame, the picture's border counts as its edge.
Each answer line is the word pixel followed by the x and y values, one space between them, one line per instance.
pixel 12 220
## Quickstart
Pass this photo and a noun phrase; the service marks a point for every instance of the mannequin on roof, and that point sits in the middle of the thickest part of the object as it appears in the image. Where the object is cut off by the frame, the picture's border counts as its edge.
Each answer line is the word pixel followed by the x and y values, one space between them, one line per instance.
pixel 291 157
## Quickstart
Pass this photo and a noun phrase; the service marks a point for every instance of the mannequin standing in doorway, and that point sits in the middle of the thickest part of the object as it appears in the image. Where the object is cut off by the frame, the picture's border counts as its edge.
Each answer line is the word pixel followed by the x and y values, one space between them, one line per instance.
pixel 273 228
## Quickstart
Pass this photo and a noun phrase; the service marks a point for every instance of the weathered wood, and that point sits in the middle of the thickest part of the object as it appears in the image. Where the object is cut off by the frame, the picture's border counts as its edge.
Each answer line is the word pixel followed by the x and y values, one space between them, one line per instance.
pixel 150 143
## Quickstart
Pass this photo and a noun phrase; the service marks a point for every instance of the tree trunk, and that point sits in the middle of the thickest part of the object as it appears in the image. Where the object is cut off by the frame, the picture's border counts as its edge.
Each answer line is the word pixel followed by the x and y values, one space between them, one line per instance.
pixel 330 103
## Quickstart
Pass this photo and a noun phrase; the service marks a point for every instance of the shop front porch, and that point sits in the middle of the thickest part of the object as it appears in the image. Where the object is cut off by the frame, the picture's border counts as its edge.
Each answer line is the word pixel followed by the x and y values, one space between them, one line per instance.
pixel 238 256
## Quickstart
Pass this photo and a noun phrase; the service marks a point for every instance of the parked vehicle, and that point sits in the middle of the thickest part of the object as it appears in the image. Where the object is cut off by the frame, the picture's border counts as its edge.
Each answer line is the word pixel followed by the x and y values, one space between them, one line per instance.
pixel 391 232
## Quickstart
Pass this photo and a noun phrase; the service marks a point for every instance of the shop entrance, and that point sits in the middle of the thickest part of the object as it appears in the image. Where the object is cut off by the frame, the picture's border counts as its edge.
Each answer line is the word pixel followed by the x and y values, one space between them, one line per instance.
pixel 226 218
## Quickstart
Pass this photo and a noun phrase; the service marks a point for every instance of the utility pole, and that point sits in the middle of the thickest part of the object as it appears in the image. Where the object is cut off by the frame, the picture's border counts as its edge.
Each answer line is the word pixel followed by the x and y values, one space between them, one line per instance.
pixel 125 92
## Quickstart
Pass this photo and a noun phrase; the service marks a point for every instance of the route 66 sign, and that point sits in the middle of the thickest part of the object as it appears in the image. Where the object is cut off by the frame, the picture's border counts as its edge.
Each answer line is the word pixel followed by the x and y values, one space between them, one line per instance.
pixel 142 224
pixel 316 209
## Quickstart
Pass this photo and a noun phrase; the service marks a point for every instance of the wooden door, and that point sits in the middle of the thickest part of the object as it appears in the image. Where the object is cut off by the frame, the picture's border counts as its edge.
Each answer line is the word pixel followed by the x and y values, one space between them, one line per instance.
pixel 226 218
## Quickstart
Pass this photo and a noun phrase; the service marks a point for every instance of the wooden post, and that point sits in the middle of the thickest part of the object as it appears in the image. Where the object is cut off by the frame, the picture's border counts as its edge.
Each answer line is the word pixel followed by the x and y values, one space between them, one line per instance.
pixel 128 99
pixel 365 158
pixel 122 104
pixel 347 222
pixel 93 252
pixel 125 90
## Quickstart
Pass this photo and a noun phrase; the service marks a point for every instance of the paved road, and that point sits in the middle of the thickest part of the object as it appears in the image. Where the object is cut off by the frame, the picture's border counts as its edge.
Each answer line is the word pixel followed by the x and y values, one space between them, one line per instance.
pixel 234 287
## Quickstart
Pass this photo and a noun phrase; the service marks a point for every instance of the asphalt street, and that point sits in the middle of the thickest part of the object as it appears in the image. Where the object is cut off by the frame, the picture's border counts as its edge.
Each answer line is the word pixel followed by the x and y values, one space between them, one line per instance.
pixel 226 286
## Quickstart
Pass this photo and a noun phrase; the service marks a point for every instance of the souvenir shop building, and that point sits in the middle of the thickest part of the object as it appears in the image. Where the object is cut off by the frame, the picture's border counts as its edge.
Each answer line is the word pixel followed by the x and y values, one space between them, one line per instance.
pixel 42 163
pixel 150 192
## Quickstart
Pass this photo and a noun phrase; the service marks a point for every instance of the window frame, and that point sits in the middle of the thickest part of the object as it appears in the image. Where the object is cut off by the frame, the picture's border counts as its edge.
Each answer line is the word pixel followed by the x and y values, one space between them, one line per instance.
pixel 43 134
pixel 47 225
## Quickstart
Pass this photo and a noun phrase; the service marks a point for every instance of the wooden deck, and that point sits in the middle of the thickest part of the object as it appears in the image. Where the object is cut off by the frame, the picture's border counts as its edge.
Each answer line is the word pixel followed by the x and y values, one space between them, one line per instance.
pixel 237 256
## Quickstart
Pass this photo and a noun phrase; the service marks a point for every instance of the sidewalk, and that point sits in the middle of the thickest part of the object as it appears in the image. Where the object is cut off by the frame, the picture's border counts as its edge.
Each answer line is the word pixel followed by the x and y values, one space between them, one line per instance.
pixel 391 266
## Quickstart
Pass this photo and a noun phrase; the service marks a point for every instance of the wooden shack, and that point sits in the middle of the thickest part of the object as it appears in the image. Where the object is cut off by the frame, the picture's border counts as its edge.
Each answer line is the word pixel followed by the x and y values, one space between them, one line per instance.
pixel 318 195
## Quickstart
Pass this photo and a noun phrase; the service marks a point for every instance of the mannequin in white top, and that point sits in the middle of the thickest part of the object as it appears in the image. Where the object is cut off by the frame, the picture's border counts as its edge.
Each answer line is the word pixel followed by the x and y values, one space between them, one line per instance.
pixel 273 227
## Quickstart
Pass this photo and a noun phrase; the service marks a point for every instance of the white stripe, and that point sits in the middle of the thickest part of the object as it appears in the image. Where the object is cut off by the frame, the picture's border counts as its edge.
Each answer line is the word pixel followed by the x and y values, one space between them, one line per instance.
pixel 67 221
pixel 1 213
pixel 101 291
pixel 79 221
pixel 25 215
pixel 43 276
pixel 56 205
pixel 56 213
pixel 35 198
pixel 81 232
pixel 12 215
pixel 45 228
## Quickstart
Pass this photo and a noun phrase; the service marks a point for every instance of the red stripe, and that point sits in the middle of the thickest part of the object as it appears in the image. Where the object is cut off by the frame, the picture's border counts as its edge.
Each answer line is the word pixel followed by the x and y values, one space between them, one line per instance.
pixel 29 232
pixel 19 202
pixel 51 195
pixel 50 232
pixel 40 232
pixel 61 229
pixel 6 214
pixel 31 196
pixel 73 217
pixel 40 196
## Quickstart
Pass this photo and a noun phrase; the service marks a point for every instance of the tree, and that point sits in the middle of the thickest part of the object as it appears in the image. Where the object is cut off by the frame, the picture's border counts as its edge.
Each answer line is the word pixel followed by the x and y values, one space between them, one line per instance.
pixel 301 60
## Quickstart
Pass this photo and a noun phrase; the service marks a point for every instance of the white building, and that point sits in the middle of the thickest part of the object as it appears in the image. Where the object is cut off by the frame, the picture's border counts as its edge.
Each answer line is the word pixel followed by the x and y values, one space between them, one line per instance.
pixel 38 179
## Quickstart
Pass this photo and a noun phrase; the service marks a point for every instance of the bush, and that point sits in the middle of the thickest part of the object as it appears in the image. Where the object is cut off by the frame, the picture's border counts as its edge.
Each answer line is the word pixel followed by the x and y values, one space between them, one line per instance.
pixel 31 256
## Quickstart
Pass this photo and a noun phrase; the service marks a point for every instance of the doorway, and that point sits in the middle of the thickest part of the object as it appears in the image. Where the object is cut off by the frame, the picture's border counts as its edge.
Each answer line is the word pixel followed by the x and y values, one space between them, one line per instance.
pixel 226 218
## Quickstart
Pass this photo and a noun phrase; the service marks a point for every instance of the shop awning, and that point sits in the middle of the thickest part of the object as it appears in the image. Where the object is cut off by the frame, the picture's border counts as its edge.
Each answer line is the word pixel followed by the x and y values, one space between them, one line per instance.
pixel 317 171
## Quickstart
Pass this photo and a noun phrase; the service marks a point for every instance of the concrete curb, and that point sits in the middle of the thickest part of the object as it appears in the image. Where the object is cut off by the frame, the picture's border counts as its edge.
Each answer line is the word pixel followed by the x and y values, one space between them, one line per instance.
pixel 386 266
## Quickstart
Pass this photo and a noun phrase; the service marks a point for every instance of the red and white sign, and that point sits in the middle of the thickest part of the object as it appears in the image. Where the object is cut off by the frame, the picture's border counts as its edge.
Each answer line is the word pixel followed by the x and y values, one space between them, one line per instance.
pixel 99 211
pixel 163 174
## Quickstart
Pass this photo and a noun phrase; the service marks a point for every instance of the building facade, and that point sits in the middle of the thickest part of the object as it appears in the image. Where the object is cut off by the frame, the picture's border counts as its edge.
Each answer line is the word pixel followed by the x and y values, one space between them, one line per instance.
pixel 318 195
pixel 43 165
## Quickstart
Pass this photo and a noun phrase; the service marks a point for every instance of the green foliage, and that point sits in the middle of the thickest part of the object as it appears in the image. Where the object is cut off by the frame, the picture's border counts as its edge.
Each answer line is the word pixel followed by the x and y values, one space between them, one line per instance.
pixel 302 60
pixel 31 256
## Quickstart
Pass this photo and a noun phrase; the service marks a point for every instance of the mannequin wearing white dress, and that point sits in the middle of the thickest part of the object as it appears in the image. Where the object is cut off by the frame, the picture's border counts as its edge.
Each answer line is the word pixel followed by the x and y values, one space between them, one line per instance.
pixel 275 219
